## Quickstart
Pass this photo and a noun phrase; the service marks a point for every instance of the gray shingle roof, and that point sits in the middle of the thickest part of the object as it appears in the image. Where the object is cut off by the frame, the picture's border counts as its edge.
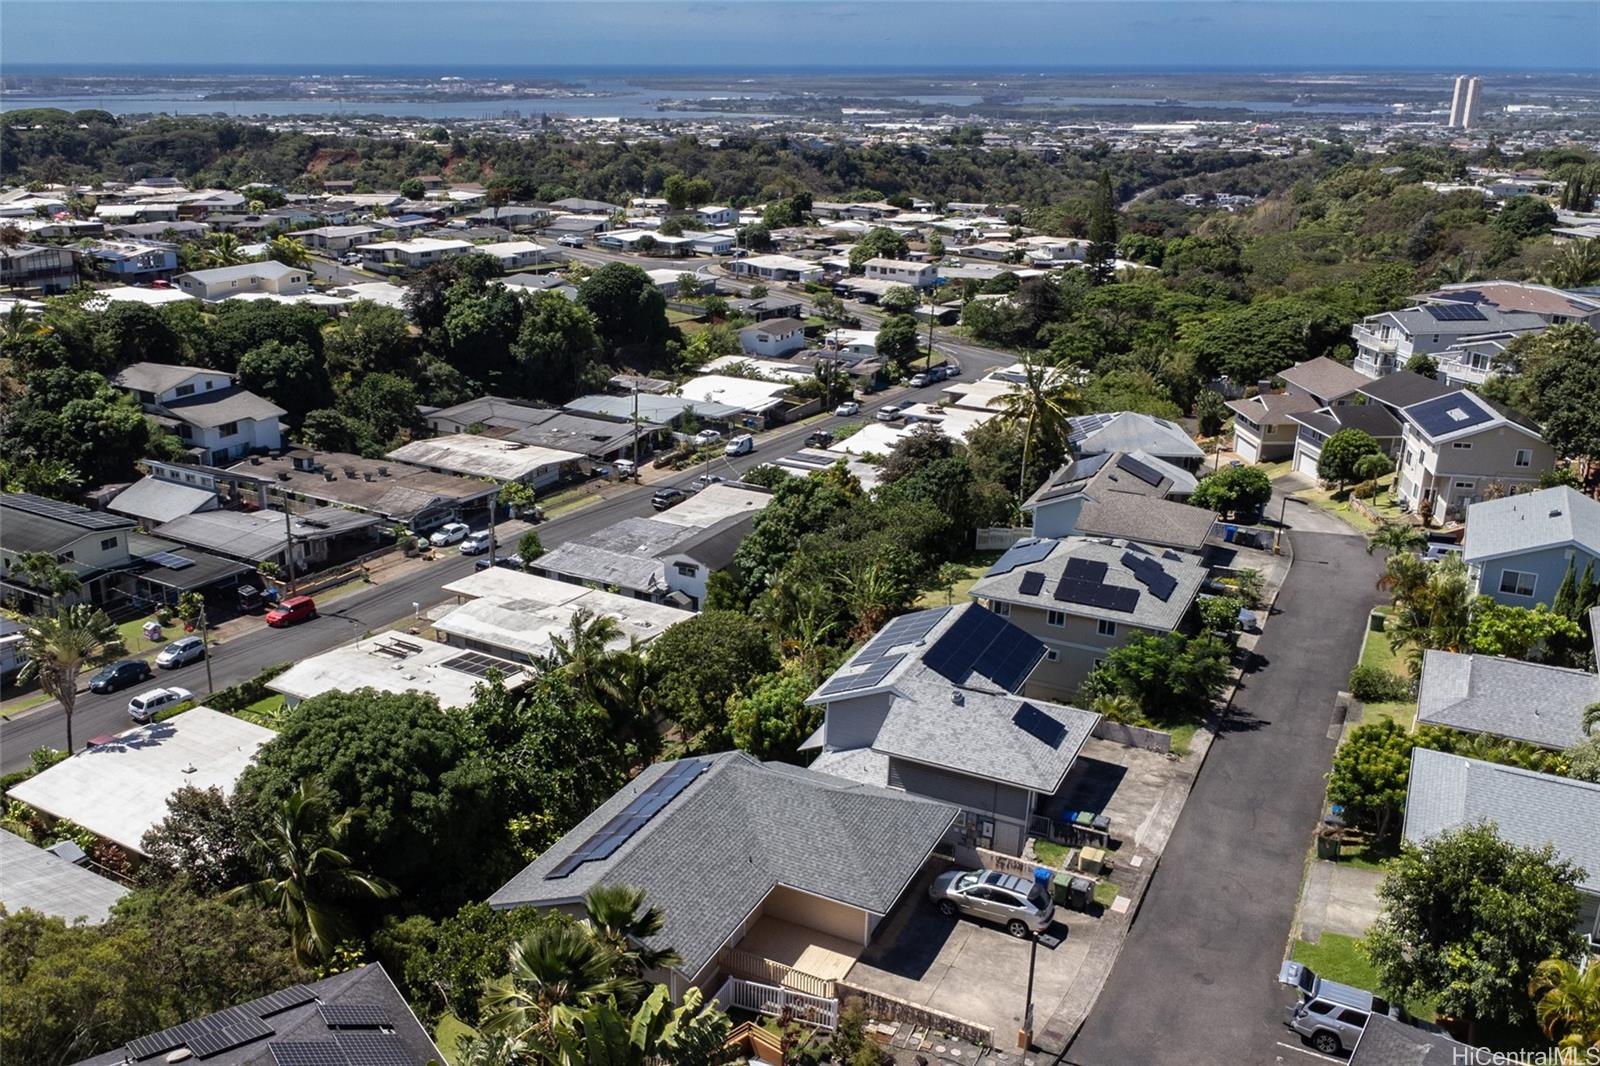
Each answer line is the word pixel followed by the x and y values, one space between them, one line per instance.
pixel 1149 612
pixel 158 500
pixel 1530 521
pixel 222 405
pixel 1324 378
pixel 1163 522
pixel 1530 809
pixel 155 377
pixel 1130 431
pixel 1371 418
pixel 737 831
pixel 1272 408
pixel 243 272
pixel 1404 389
pixel 1417 321
pixel 1388 1042
pixel 1539 704
pixel 1113 472
pixel 41 881
pixel 33 524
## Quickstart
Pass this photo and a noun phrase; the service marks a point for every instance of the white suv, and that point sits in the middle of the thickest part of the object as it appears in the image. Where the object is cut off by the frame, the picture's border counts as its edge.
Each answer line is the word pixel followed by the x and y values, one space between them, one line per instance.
pixel 145 705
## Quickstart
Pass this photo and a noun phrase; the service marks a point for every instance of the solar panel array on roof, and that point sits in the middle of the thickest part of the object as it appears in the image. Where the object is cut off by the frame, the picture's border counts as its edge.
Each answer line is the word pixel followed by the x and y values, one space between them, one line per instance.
pixel 63 512
pixel 645 806
pixel 307 1053
pixel 1083 425
pixel 872 676
pixel 1094 594
pixel 1034 722
pixel 1144 472
pixel 1032 582
pixel 204 1037
pixel 1150 574
pixel 480 665
pixel 1090 570
pixel 1448 414
pixel 906 629
pixel 1022 553
pixel 981 642
pixel 1455 312
pixel 281 1000
pixel 169 560
pixel 374 1049
pixel 354 1016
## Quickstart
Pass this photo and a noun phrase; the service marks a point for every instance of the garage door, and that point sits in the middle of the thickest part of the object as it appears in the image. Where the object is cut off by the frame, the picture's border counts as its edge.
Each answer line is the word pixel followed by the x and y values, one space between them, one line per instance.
pixel 1246 448
pixel 1305 463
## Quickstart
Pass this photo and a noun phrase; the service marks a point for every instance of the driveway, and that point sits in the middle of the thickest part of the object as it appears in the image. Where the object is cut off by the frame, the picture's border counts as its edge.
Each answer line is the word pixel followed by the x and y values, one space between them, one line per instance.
pixel 1301 516
pixel 1196 980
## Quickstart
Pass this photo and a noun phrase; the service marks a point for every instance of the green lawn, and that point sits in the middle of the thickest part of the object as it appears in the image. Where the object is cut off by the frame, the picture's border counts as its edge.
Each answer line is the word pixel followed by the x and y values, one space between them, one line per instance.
pixel 1105 893
pixel 264 711
pixel 448 1032
pixel 973 567
pixel 133 635
pixel 1339 958
pixel 1182 736
pixel 1337 503
pixel 677 318
pixel 1050 853
pixel 1376 652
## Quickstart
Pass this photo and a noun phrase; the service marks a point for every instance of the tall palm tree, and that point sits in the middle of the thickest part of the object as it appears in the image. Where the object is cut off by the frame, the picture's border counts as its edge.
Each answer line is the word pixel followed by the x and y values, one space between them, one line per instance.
pixel 619 917
pixel 1395 537
pixel 308 877
pixel 44 571
pixel 584 653
pixel 1567 1002
pixel 288 251
pixel 1042 402
pixel 553 966
pixel 224 249
pixel 1573 266
pixel 60 645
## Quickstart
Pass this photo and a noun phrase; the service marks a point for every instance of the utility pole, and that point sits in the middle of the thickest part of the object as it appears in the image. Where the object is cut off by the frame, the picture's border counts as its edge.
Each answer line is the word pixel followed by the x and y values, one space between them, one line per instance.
pixel 492 545
pixel 636 429
pixel 288 537
pixel 205 647
pixel 1025 1034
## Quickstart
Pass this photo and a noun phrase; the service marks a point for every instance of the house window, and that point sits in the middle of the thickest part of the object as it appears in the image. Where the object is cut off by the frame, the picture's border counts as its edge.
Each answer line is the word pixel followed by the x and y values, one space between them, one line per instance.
pixel 1051 655
pixel 185 390
pixel 1524 457
pixel 1466 485
pixel 1001 609
pixel 688 569
pixel 1056 618
pixel 1461 445
pixel 228 429
pixel 1517 583
pixel 1106 628
pixel 109 544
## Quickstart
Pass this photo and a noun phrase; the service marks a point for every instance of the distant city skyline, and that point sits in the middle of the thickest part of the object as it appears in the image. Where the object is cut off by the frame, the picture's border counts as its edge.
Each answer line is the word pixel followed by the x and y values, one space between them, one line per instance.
pixel 889 35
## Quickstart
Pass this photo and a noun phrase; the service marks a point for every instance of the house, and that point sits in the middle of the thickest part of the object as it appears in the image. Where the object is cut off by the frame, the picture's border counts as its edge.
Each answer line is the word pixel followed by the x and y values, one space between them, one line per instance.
pixel 1402 389
pixel 37 267
pixel 397 493
pixel 1519 548
pixel 667 558
pixel 716 215
pixel 418 253
pixel 118 790
pixel 1313 428
pixel 41 880
pixel 578 206
pixel 133 261
pixel 134 294
pixel 514 255
pixel 774 337
pixel 1386 342
pixel 91 545
pixel 902 272
pixel 220 283
pixel 1499 697
pixel 207 409
pixel 163 571
pixel 1121 495
pixel 702 243
pixel 1529 809
pixel 1555 306
pixel 357 1016
pixel 1455 447
pixel 597 438
pixel 776 268
pixel 1324 380
pixel 737 854
pixel 318 535
pixel 1081 597
pixel 336 239
pixel 1264 427
pixel 516 615
pixel 761 308
pixel 474 455
pixel 394 662
pixel 756 403
pixel 938 704
pixel 661 409
pixel 1132 431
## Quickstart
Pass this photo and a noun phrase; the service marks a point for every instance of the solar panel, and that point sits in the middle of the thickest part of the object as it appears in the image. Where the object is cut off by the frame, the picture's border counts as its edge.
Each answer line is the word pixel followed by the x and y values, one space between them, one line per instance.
pixel 169 560
pixel 281 1000
pixel 984 643
pixel 874 674
pixel 1034 722
pixel 374 1049
pixel 1455 312
pixel 1086 570
pixel 146 1047
pixel 63 512
pixel 307 1053
pixel 611 836
pixel 1032 582
pixel 480 665
pixel 1022 553
pixel 906 629
pixel 1105 597
pixel 1143 472
pixel 1447 414
pixel 222 1031
pixel 353 1016
pixel 1150 574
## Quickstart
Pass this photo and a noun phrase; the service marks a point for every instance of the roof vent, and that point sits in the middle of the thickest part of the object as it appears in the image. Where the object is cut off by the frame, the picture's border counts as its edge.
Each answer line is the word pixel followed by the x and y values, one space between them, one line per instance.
pixel 255 460
pixel 179 1055
pixel 190 768
pixel 1556 513
pixel 329 475
pixel 366 475
pixel 957 698
pixel 383 471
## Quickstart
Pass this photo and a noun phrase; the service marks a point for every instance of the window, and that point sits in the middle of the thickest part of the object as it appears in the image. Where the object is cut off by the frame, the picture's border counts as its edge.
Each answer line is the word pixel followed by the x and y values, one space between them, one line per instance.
pixel 1461 445
pixel 1517 583
pixel 109 544
pixel 1353 1017
pixel 1001 609
pixel 1051 655
pixel 1466 485
pixel 1524 457
pixel 228 429
pixel 688 569
pixel 1056 618
pixel 1106 627
pixel 185 390
pixel 1319 1006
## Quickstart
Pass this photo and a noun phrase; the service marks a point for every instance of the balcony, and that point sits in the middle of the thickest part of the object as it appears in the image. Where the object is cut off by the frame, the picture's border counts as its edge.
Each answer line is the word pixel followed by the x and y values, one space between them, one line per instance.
pixel 1366 338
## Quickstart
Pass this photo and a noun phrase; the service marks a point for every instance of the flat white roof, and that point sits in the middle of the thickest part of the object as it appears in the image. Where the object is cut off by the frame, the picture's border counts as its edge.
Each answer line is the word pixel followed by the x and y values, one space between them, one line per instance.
pixel 135 294
pixel 746 393
pixel 391 662
pixel 379 292
pixel 711 505
pixel 791 372
pixel 510 248
pixel 40 880
pixel 877 438
pixel 521 612
pixel 782 262
pixel 481 456
pixel 417 244
pixel 979 395
pixel 956 422
pixel 119 790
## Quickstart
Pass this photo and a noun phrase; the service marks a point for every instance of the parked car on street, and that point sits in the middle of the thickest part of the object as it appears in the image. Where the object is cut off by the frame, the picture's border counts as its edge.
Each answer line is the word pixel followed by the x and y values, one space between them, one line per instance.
pixel 707 436
pixel 1022 907
pixel 145 705
pixel 847 409
pixel 892 413
pixel 292 611
pixel 820 439
pixel 449 533
pixel 508 562
pixel 476 543
pixel 1328 1015
pixel 119 676
pixel 667 497
pixel 181 652
pixel 626 469
pixel 705 481
pixel 743 444
pixel 919 380
pixel 571 240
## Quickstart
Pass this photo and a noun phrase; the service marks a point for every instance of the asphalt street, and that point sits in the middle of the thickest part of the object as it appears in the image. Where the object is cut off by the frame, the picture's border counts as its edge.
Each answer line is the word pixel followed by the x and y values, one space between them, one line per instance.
pixel 1196 982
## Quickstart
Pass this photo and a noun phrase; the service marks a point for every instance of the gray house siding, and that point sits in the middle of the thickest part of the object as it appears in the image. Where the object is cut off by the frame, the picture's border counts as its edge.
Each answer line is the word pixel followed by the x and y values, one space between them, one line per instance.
pixel 1056 519
pixel 1009 807
pixel 855 723
pixel 1076 646
pixel 1548 568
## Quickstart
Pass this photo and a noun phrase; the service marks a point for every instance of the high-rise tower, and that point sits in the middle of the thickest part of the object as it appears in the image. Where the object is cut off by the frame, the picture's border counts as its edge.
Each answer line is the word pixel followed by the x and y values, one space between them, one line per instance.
pixel 1456 100
pixel 1469 109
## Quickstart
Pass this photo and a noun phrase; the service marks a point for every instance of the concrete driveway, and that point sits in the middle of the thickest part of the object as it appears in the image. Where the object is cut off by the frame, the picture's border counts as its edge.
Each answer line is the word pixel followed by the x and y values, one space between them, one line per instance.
pixel 1196 980
pixel 1301 516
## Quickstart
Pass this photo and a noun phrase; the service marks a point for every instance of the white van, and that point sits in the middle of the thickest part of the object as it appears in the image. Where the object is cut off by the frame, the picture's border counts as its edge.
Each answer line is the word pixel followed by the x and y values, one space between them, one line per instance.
pixel 743 444
pixel 625 469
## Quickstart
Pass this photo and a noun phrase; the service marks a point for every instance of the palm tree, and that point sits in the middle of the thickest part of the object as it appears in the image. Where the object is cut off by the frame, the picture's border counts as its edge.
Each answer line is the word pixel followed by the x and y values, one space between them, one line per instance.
pixel 553 966
pixel 308 875
pixel 1567 1002
pixel 1043 401
pixel 493 1049
pixel 1116 707
pixel 288 251
pixel 1395 537
pixel 619 918
pixel 224 249
pixel 656 1032
pixel 59 646
pixel 44 571
pixel 584 653
pixel 1577 264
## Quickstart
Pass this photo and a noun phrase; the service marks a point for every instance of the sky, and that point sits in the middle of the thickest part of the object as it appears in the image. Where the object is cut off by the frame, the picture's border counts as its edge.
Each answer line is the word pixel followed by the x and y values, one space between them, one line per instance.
pixel 923 34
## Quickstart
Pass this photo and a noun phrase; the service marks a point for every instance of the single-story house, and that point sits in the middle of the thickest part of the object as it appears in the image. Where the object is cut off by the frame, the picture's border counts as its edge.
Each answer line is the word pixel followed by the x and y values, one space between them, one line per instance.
pixel 400 493
pixel 774 337
pixel 39 879
pixel 415 254
pixel 1519 548
pixel 219 283
pixel 320 534
pixel 476 455
pixel 776 268
pixel 393 662
pixel 336 238
pixel 1133 431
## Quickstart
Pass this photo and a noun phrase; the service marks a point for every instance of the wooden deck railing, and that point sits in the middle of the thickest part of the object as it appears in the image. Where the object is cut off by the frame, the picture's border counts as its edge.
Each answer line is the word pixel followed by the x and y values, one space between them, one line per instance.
pixel 753 967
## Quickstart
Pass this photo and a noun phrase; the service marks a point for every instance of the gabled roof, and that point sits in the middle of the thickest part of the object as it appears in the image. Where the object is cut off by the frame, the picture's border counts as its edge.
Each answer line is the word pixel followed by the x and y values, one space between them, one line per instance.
pixel 1324 378
pixel 1130 431
pixel 1531 809
pixel 1137 472
pixel 1024 577
pixel 1519 296
pixel 1370 418
pixel 1404 389
pixel 156 377
pixel 1463 413
pixel 1532 521
pixel 31 523
pixel 220 406
pixel 1273 408
pixel 737 830
pixel 1500 697
pixel 1167 523
pixel 1388 1042
pixel 244 272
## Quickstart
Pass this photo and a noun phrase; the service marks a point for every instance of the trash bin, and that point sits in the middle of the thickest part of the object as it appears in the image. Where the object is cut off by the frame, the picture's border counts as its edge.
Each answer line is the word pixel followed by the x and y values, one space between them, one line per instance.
pixel 1080 894
pixel 1328 842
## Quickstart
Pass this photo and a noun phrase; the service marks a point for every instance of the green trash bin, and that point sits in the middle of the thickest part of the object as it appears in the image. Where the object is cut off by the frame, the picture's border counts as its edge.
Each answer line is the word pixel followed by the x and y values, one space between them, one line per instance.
pixel 1328 844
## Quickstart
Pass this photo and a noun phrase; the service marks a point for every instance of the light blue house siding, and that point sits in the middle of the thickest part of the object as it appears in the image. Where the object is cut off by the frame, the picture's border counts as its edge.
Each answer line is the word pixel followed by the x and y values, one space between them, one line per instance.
pixel 1058 518
pixel 1538 572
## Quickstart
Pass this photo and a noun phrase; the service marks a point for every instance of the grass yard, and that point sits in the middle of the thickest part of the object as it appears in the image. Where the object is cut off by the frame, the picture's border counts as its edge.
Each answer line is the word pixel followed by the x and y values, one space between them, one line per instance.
pixel 1050 853
pixel 678 318
pixel 264 712
pixel 133 635
pixel 1376 652
pixel 448 1033
pixel 972 569
pixel 1337 503
pixel 1182 736
pixel 1105 893
pixel 1339 958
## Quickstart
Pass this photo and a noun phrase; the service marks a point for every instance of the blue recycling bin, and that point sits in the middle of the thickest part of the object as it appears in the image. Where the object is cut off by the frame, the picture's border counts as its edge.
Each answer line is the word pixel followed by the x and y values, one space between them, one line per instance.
pixel 1042 875
pixel 1229 532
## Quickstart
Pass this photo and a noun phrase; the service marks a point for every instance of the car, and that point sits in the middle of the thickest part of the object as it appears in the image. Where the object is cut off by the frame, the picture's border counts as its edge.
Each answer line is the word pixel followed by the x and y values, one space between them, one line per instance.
pixel 349 260
pixel 476 543
pixel 292 611
pixel 740 253
pixel 1023 907
pixel 181 652
pixel 667 497
pixel 705 481
pixel 119 676
pixel 146 705
pixel 892 413
pixel 1328 1015
pixel 951 370
pixel 820 439
pixel 627 469
pixel 919 380
pixel 571 240
pixel 847 409
pixel 743 444
pixel 449 533
pixel 707 436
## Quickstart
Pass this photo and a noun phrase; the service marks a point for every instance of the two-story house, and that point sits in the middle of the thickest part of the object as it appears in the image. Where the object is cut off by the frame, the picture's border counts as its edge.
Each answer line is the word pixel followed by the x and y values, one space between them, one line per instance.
pixel 1131 432
pixel 90 545
pixel 1455 447
pixel 1121 496
pixel 1080 598
pixel 1386 342
pixel 903 272
pixel 219 283
pixel 42 267
pixel 208 410
pixel 133 261
pixel 716 215
pixel 774 338
pixel 418 253
pixel 1519 548
pixel 939 704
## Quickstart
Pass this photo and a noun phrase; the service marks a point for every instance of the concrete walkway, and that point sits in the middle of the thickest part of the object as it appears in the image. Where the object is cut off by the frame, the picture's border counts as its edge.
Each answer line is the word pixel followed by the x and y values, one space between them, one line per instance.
pixel 1338 898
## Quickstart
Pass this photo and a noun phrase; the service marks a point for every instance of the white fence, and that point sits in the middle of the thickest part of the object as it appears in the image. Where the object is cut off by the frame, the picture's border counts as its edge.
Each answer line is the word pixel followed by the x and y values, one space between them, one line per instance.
pixel 773 1000
pixel 998 538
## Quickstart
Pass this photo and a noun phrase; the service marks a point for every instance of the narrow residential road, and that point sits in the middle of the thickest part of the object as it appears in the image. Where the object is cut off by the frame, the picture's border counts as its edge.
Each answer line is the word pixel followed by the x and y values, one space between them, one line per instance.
pixel 1196 983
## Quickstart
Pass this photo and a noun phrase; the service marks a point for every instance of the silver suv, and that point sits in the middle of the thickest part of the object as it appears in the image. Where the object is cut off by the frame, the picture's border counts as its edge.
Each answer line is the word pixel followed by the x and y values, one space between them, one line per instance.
pixel 1023 907
pixel 1328 1015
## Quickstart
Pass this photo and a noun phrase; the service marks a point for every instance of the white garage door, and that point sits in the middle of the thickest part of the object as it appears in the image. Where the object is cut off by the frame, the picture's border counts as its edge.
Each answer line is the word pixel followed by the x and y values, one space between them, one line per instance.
pixel 1247 449
pixel 1305 463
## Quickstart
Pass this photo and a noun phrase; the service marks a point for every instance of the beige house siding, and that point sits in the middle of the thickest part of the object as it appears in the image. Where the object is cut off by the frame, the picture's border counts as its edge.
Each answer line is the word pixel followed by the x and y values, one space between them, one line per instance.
pixel 1457 476
pixel 1076 644
pixel 814 912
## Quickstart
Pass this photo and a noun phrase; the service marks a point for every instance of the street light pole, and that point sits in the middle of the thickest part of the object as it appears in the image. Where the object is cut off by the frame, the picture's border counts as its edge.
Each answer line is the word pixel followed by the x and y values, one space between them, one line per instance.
pixel 1025 1034
pixel 205 647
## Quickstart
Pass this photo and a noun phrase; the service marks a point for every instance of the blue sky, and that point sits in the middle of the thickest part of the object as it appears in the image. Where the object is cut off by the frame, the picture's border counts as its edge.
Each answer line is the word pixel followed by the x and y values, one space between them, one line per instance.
pixel 997 34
